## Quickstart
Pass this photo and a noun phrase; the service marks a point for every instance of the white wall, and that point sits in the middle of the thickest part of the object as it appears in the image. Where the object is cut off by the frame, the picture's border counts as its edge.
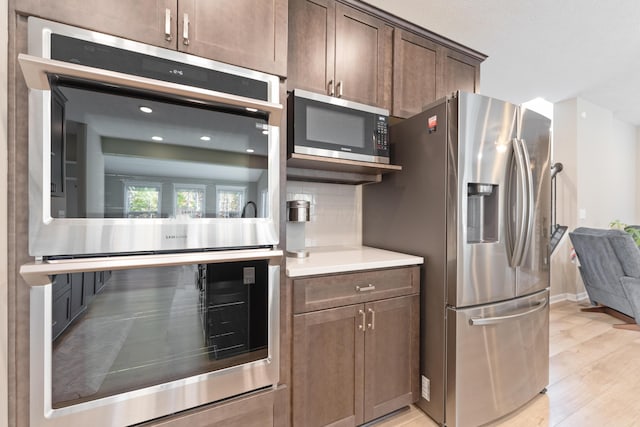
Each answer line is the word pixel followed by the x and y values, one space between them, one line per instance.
pixel 606 153
pixel 637 219
pixel 4 396
pixel 95 173
pixel 336 212
pixel 599 182
pixel 563 271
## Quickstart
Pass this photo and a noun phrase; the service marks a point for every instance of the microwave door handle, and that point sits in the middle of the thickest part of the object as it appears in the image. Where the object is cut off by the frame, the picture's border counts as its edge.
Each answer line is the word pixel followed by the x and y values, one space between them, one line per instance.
pixel 36 73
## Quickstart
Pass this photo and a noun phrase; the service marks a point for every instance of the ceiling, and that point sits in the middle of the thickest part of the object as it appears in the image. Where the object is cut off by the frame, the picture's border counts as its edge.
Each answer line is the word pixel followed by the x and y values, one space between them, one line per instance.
pixel 554 49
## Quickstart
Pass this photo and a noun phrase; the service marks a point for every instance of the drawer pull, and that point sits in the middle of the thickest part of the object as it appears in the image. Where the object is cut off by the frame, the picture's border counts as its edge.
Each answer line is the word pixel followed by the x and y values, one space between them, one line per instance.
pixel 368 288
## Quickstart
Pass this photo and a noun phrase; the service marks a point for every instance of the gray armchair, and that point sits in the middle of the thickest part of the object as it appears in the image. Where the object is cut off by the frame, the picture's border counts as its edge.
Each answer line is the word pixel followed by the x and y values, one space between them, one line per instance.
pixel 610 270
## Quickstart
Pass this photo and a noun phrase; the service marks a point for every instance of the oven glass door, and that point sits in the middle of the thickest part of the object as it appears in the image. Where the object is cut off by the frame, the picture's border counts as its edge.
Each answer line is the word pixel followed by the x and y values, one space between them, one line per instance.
pixel 123 330
pixel 128 156
pixel 134 148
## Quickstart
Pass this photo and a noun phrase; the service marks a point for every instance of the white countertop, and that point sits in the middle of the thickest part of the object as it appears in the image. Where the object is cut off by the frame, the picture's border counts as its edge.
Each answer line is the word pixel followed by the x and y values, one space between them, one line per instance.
pixel 339 259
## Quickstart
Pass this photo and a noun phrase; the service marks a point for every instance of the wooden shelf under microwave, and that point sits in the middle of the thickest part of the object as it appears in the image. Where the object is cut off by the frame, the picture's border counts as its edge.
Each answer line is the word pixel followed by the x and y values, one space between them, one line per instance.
pixel 304 167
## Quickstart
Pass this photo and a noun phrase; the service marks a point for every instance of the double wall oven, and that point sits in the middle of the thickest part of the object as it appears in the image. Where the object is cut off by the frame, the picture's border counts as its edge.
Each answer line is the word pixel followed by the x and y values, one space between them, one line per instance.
pixel 153 220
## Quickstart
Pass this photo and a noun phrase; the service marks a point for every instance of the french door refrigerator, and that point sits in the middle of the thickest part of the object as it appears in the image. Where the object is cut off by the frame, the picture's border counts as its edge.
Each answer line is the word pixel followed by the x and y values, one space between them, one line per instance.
pixel 473 199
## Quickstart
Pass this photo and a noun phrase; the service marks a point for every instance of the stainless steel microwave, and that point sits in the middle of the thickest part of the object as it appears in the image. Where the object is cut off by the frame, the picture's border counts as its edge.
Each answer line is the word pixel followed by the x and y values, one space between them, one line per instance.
pixel 327 126
pixel 135 148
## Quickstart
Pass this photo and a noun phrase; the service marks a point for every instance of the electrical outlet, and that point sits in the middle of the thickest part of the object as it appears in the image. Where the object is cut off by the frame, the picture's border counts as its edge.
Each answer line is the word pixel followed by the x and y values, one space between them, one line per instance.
pixel 426 388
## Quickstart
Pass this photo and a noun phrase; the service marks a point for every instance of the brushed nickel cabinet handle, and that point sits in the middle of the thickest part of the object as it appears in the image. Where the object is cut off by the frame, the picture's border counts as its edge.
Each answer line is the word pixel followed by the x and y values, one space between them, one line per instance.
pixel 339 87
pixel 167 25
pixel 372 325
pixel 367 288
pixel 362 327
pixel 331 92
pixel 185 29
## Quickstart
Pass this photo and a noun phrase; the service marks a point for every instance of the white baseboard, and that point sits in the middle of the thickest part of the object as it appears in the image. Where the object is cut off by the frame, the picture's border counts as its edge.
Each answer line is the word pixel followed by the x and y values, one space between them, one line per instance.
pixel 568 297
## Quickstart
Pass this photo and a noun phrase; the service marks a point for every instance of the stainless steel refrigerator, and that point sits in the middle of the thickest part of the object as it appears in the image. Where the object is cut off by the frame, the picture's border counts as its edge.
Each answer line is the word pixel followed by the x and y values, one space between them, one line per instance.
pixel 473 199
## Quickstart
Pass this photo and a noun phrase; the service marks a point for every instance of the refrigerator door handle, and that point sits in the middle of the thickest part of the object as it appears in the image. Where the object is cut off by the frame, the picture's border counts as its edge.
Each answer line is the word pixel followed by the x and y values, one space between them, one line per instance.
pixel 528 200
pixel 484 321
pixel 519 244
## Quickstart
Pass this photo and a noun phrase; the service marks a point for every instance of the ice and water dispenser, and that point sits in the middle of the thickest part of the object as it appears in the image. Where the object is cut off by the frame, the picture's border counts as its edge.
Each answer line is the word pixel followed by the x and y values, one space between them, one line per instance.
pixel 482 213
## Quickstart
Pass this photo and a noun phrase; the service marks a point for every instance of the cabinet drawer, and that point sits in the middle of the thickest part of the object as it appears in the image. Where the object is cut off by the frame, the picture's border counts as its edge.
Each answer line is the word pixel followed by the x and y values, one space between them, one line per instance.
pixel 320 292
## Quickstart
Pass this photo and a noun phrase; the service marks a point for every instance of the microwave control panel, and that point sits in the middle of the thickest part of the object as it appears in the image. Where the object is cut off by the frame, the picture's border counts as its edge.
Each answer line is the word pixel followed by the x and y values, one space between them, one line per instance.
pixel 382 135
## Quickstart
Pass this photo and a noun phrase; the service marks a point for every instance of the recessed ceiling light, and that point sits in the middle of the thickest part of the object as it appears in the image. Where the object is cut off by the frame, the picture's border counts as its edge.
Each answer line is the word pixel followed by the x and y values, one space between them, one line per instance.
pixel 205 138
pixel 157 138
pixel 253 110
pixel 146 109
pixel 250 150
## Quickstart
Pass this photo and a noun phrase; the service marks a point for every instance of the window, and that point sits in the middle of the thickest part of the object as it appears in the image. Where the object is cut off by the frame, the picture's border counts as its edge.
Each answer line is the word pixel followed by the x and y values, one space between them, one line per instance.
pixel 189 200
pixel 230 200
pixel 142 199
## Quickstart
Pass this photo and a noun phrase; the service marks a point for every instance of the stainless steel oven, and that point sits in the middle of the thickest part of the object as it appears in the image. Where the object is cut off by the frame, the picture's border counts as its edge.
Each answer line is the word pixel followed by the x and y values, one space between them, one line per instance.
pixel 134 148
pixel 121 340
pixel 153 220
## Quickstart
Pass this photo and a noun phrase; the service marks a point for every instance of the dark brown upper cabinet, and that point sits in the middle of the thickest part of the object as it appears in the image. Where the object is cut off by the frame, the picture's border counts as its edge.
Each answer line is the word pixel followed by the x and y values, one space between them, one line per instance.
pixel 250 33
pixel 424 71
pixel 460 72
pixel 338 50
pixel 415 73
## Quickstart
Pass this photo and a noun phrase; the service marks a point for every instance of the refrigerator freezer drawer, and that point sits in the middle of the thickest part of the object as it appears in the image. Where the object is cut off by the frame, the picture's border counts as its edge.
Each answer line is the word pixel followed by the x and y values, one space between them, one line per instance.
pixel 497 358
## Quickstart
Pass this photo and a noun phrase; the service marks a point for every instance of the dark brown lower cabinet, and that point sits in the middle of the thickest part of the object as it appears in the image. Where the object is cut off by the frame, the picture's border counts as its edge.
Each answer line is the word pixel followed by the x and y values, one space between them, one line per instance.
pixel 355 363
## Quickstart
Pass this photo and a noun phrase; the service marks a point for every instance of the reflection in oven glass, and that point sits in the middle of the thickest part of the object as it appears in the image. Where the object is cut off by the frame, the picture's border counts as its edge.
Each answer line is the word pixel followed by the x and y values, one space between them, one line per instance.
pixel 124 330
pixel 174 161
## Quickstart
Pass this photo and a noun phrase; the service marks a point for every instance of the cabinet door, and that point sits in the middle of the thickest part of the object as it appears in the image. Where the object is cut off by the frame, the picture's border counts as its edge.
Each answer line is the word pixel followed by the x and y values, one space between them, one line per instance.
pixel 142 20
pixel 363 53
pixel 459 73
pixel 391 355
pixel 248 33
pixel 59 315
pixel 77 303
pixel 311 45
pixel 328 367
pixel 414 73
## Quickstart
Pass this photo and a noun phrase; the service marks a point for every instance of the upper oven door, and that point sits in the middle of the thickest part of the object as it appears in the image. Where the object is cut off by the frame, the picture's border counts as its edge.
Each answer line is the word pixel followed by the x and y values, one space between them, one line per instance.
pixel 332 127
pixel 124 162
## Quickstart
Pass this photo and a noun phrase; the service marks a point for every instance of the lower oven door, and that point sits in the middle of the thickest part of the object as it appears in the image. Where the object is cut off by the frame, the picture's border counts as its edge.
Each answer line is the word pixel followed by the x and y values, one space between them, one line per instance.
pixel 123 345
pixel 497 358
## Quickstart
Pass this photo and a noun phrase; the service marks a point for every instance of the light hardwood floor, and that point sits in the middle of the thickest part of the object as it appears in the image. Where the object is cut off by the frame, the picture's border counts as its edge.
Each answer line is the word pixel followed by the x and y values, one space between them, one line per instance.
pixel 594 377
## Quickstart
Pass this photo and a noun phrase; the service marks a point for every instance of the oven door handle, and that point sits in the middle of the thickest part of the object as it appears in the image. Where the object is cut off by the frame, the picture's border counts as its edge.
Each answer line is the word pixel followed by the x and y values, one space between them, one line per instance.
pixel 39 273
pixel 37 70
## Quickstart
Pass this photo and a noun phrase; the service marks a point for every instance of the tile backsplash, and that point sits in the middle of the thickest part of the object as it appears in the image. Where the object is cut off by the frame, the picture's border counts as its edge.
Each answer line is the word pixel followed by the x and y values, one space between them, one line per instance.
pixel 335 215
